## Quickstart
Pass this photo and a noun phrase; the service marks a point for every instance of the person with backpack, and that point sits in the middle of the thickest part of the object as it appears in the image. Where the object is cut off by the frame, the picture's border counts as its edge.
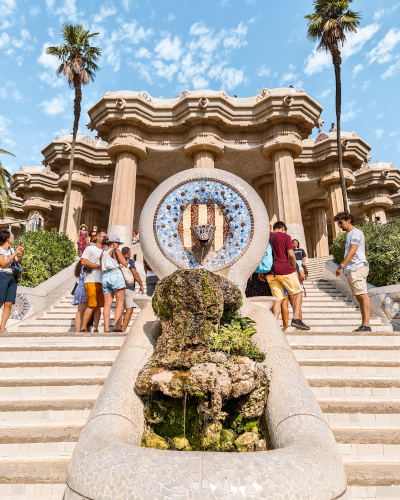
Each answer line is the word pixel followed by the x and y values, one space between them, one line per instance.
pixel 283 274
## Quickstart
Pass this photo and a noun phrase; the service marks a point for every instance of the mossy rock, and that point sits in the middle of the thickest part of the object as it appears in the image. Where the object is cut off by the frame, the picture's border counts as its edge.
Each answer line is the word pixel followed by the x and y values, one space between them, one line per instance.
pixel 152 440
pixel 246 442
pixel 181 444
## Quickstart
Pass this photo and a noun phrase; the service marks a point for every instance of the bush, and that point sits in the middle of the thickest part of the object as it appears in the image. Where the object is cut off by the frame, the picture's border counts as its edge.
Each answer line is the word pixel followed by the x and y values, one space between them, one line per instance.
pixel 382 245
pixel 46 254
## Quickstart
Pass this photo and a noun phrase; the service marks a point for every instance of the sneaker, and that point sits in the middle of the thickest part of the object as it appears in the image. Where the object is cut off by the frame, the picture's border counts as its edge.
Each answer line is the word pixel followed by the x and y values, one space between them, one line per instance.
pixel 96 331
pixel 297 323
pixel 363 328
pixel 118 331
pixel 3 330
pixel 83 331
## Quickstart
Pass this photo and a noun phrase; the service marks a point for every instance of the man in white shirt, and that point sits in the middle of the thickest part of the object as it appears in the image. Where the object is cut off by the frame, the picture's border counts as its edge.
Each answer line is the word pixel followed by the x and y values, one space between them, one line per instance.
pixel 355 266
pixel 91 259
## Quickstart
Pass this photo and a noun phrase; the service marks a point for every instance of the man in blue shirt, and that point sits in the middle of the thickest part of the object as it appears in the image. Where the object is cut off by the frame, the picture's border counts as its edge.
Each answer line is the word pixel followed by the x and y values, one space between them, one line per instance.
pixel 129 303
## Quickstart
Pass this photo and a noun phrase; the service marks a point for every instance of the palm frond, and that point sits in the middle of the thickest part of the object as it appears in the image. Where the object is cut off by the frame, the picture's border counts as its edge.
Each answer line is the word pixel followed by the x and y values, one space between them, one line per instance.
pixel 6 152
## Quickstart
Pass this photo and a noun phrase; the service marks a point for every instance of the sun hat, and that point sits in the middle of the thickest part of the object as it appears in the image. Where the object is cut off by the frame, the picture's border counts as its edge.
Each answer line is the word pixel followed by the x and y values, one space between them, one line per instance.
pixel 83 225
pixel 115 239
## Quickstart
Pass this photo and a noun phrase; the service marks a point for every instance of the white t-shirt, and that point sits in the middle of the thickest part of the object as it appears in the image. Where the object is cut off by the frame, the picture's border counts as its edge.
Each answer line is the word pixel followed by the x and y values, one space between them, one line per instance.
pixel 7 254
pixel 93 254
pixel 355 237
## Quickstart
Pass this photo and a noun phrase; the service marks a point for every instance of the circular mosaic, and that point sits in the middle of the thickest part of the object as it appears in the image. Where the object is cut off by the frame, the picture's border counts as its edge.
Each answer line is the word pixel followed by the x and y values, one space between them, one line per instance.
pixel 21 306
pixel 199 202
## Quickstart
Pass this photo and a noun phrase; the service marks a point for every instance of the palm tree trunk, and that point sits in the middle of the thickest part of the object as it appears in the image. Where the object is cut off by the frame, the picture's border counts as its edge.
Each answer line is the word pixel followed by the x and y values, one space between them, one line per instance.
pixel 77 114
pixel 337 61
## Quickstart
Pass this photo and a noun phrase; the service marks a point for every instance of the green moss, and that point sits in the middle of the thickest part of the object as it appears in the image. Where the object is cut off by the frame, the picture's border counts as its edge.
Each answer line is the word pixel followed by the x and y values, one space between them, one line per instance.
pixel 246 442
pixel 252 426
pixel 181 444
pixel 152 440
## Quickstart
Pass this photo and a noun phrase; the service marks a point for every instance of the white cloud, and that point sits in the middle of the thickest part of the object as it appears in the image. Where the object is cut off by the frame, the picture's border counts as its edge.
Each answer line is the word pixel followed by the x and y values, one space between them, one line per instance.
pixel 253 20
pixel 357 69
pixel 50 31
pixel 235 38
pixel 143 70
pixel 291 79
pixel 379 133
pixel 385 12
pixel 291 67
pixel 21 41
pixel 169 49
pixel 7 7
pixel 67 10
pixel 4 40
pixel 366 84
pixel 103 13
pixel 143 52
pixel 383 51
pixel 324 93
pixel 263 71
pixel 350 112
pixel 229 77
pixel 392 134
pixel 3 93
pixel 380 115
pixel 318 61
pixel 34 10
pixel 199 82
pixel 17 95
pixel 50 3
pixel 392 70
pixel 54 106
pixel 170 17
pixel 165 70
pixel 50 64
pixel 9 142
pixel 47 60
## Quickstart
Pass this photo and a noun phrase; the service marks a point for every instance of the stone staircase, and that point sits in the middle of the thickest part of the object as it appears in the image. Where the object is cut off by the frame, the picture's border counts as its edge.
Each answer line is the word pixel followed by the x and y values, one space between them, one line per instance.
pixel 50 378
pixel 356 380
pixel 315 267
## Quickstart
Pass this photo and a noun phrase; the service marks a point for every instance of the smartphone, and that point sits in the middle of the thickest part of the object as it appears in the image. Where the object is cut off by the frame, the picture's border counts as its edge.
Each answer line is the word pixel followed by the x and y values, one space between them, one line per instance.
pixel 21 242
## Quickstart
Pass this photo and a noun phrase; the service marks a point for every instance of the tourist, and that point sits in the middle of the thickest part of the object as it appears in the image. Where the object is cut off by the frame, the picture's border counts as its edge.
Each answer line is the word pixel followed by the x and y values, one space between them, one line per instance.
pixel 79 299
pixel 93 235
pixel 40 223
pixel 8 280
pixel 355 266
pixel 129 303
pixel 134 241
pixel 151 279
pixel 113 282
pixel 91 262
pixel 256 287
pixel 83 239
pixel 333 128
pixel 300 259
pixel 378 221
pixel 284 275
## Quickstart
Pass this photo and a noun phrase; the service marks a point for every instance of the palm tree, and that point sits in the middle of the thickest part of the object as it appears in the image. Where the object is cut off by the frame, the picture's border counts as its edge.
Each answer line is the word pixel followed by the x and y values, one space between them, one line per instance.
pixel 78 64
pixel 5 177
pixel 329 24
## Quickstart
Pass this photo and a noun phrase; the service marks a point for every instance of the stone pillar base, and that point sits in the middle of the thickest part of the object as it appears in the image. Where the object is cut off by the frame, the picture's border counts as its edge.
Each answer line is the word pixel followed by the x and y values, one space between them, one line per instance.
pixel 124 233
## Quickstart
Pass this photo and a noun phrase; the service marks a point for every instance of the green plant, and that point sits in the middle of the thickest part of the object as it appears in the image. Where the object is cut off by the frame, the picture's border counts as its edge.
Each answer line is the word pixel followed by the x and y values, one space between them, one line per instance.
pixel 46 254
pixel 233 337
pixel 329 24
pixel 78 64
pixel 382 251
pixel 5 177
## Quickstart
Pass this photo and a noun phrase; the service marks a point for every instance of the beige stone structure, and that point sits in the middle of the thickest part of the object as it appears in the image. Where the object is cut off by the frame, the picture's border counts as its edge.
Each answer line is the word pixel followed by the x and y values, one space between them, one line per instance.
pixel 264 139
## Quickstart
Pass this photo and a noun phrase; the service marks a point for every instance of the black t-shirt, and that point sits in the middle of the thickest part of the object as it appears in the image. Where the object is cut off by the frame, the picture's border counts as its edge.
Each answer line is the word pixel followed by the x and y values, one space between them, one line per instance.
pixel 300 254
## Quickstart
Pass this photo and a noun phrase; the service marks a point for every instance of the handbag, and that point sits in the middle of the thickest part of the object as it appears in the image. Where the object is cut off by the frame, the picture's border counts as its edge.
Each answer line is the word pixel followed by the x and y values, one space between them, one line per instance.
pixel 127 274
pixel 74 289
pixel 16 269
pixel 268 260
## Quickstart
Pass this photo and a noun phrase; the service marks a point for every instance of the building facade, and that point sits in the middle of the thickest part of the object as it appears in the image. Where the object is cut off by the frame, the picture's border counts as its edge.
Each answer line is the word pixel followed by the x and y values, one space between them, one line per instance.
pixel 264 139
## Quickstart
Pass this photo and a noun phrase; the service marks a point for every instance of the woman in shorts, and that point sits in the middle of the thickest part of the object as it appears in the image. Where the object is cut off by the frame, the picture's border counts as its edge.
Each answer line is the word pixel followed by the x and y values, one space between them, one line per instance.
pixel 300 259
pixel 8 282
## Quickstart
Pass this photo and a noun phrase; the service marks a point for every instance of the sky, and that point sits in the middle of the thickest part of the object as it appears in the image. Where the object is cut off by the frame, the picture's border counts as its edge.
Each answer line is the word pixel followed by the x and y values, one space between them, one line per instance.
pixel 165 47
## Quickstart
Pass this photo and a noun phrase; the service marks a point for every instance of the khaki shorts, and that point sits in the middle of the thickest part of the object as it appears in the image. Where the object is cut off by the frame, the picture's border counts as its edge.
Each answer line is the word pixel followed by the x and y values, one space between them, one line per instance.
pixel 94 294
pixel 357 280
pixel 129 295
pixel 289 281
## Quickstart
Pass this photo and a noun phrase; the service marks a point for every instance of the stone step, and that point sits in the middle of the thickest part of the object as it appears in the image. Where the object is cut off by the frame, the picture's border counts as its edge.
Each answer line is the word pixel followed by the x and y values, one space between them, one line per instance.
pixel 71 311
pixel 60 319
pixel 52 354
pixel 347 381
pixel 364 451
pixel 40 432
pixel 30 380
pixel 50 329
pixel 21 491
pixel 37 451
pixel 368 420
pixel 359 404
pixel 350 316
pixel 55 400
pixel 43 417
pixel 50 333
pixel 69 339
pixel 359 346
pixel 114 343
pixel 327 309
pixel 364 435
pixel 65 390
pixel 349 329
pixel 351 370
pixel 32 366
pixel 373 492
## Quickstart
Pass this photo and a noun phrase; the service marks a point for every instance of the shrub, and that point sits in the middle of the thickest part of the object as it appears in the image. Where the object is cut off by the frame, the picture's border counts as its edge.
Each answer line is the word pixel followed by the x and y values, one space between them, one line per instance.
pixel 46 254
pixel 382 249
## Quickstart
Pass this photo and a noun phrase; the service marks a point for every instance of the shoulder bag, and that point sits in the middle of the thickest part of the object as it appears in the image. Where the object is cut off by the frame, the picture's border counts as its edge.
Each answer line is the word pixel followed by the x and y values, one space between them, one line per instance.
pixel 16 269
pixel 267 263
pixel 126 272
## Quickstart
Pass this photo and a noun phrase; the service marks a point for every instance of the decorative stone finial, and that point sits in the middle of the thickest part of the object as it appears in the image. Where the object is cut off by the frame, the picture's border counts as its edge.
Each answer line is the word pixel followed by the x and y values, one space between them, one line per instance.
pixel 204 102
pixel 345 143
pixel 121 103
pixel 288 100
pixel 319 124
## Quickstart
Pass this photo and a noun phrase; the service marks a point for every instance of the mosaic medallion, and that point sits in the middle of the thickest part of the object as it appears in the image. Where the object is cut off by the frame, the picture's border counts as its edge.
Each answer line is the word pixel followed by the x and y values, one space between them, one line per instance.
pixel 202 202
pixel 21 306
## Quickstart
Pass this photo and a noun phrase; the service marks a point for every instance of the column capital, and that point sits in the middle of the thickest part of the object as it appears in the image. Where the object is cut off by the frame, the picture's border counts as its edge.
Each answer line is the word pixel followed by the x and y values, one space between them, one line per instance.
pixel 334 178
pixel 282 136
pixel 199 144
pixel 309 205
pixel 146 181
pixel 80 178
pixel 96 205
pixel 384 202
pixel 259 182
pixel 120 144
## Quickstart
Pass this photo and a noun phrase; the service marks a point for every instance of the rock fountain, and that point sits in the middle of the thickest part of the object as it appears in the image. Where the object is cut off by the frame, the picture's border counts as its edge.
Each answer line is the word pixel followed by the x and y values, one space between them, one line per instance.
pixel 183 405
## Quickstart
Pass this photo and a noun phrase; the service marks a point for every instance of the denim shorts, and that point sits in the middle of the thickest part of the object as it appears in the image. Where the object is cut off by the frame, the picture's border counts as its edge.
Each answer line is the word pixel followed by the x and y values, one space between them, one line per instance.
pixel 113 280
pixel 300 265
pixel 8 287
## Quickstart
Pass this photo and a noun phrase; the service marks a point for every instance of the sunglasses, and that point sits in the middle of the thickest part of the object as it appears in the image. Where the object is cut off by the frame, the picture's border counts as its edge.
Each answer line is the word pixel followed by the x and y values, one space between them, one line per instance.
pixel 340 222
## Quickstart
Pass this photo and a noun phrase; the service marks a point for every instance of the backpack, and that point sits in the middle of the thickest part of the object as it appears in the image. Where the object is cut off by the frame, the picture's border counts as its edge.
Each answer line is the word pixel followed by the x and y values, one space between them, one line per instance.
pixel 267 263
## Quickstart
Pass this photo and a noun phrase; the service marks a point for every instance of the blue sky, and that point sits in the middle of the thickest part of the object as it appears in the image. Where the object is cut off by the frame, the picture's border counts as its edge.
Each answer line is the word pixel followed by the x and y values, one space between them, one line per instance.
pixel 165 47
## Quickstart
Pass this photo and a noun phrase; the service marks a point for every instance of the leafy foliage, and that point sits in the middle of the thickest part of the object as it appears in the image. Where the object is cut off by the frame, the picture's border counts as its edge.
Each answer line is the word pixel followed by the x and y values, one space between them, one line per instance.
pixel 46 254
pixel 382 250
pixel 233 337
pixel 5 177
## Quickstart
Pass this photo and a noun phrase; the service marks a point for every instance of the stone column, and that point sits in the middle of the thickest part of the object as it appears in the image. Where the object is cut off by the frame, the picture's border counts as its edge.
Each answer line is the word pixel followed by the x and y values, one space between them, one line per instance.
pixel 377 212
pixel 376 206
pixel 127 151
pixel 336 205
pixel 75 211
pixel 204 151
pixel 307 231
pixel 144 187
pixel 92 211
pixel 284 144
pixel 319 228
pixel 265 184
